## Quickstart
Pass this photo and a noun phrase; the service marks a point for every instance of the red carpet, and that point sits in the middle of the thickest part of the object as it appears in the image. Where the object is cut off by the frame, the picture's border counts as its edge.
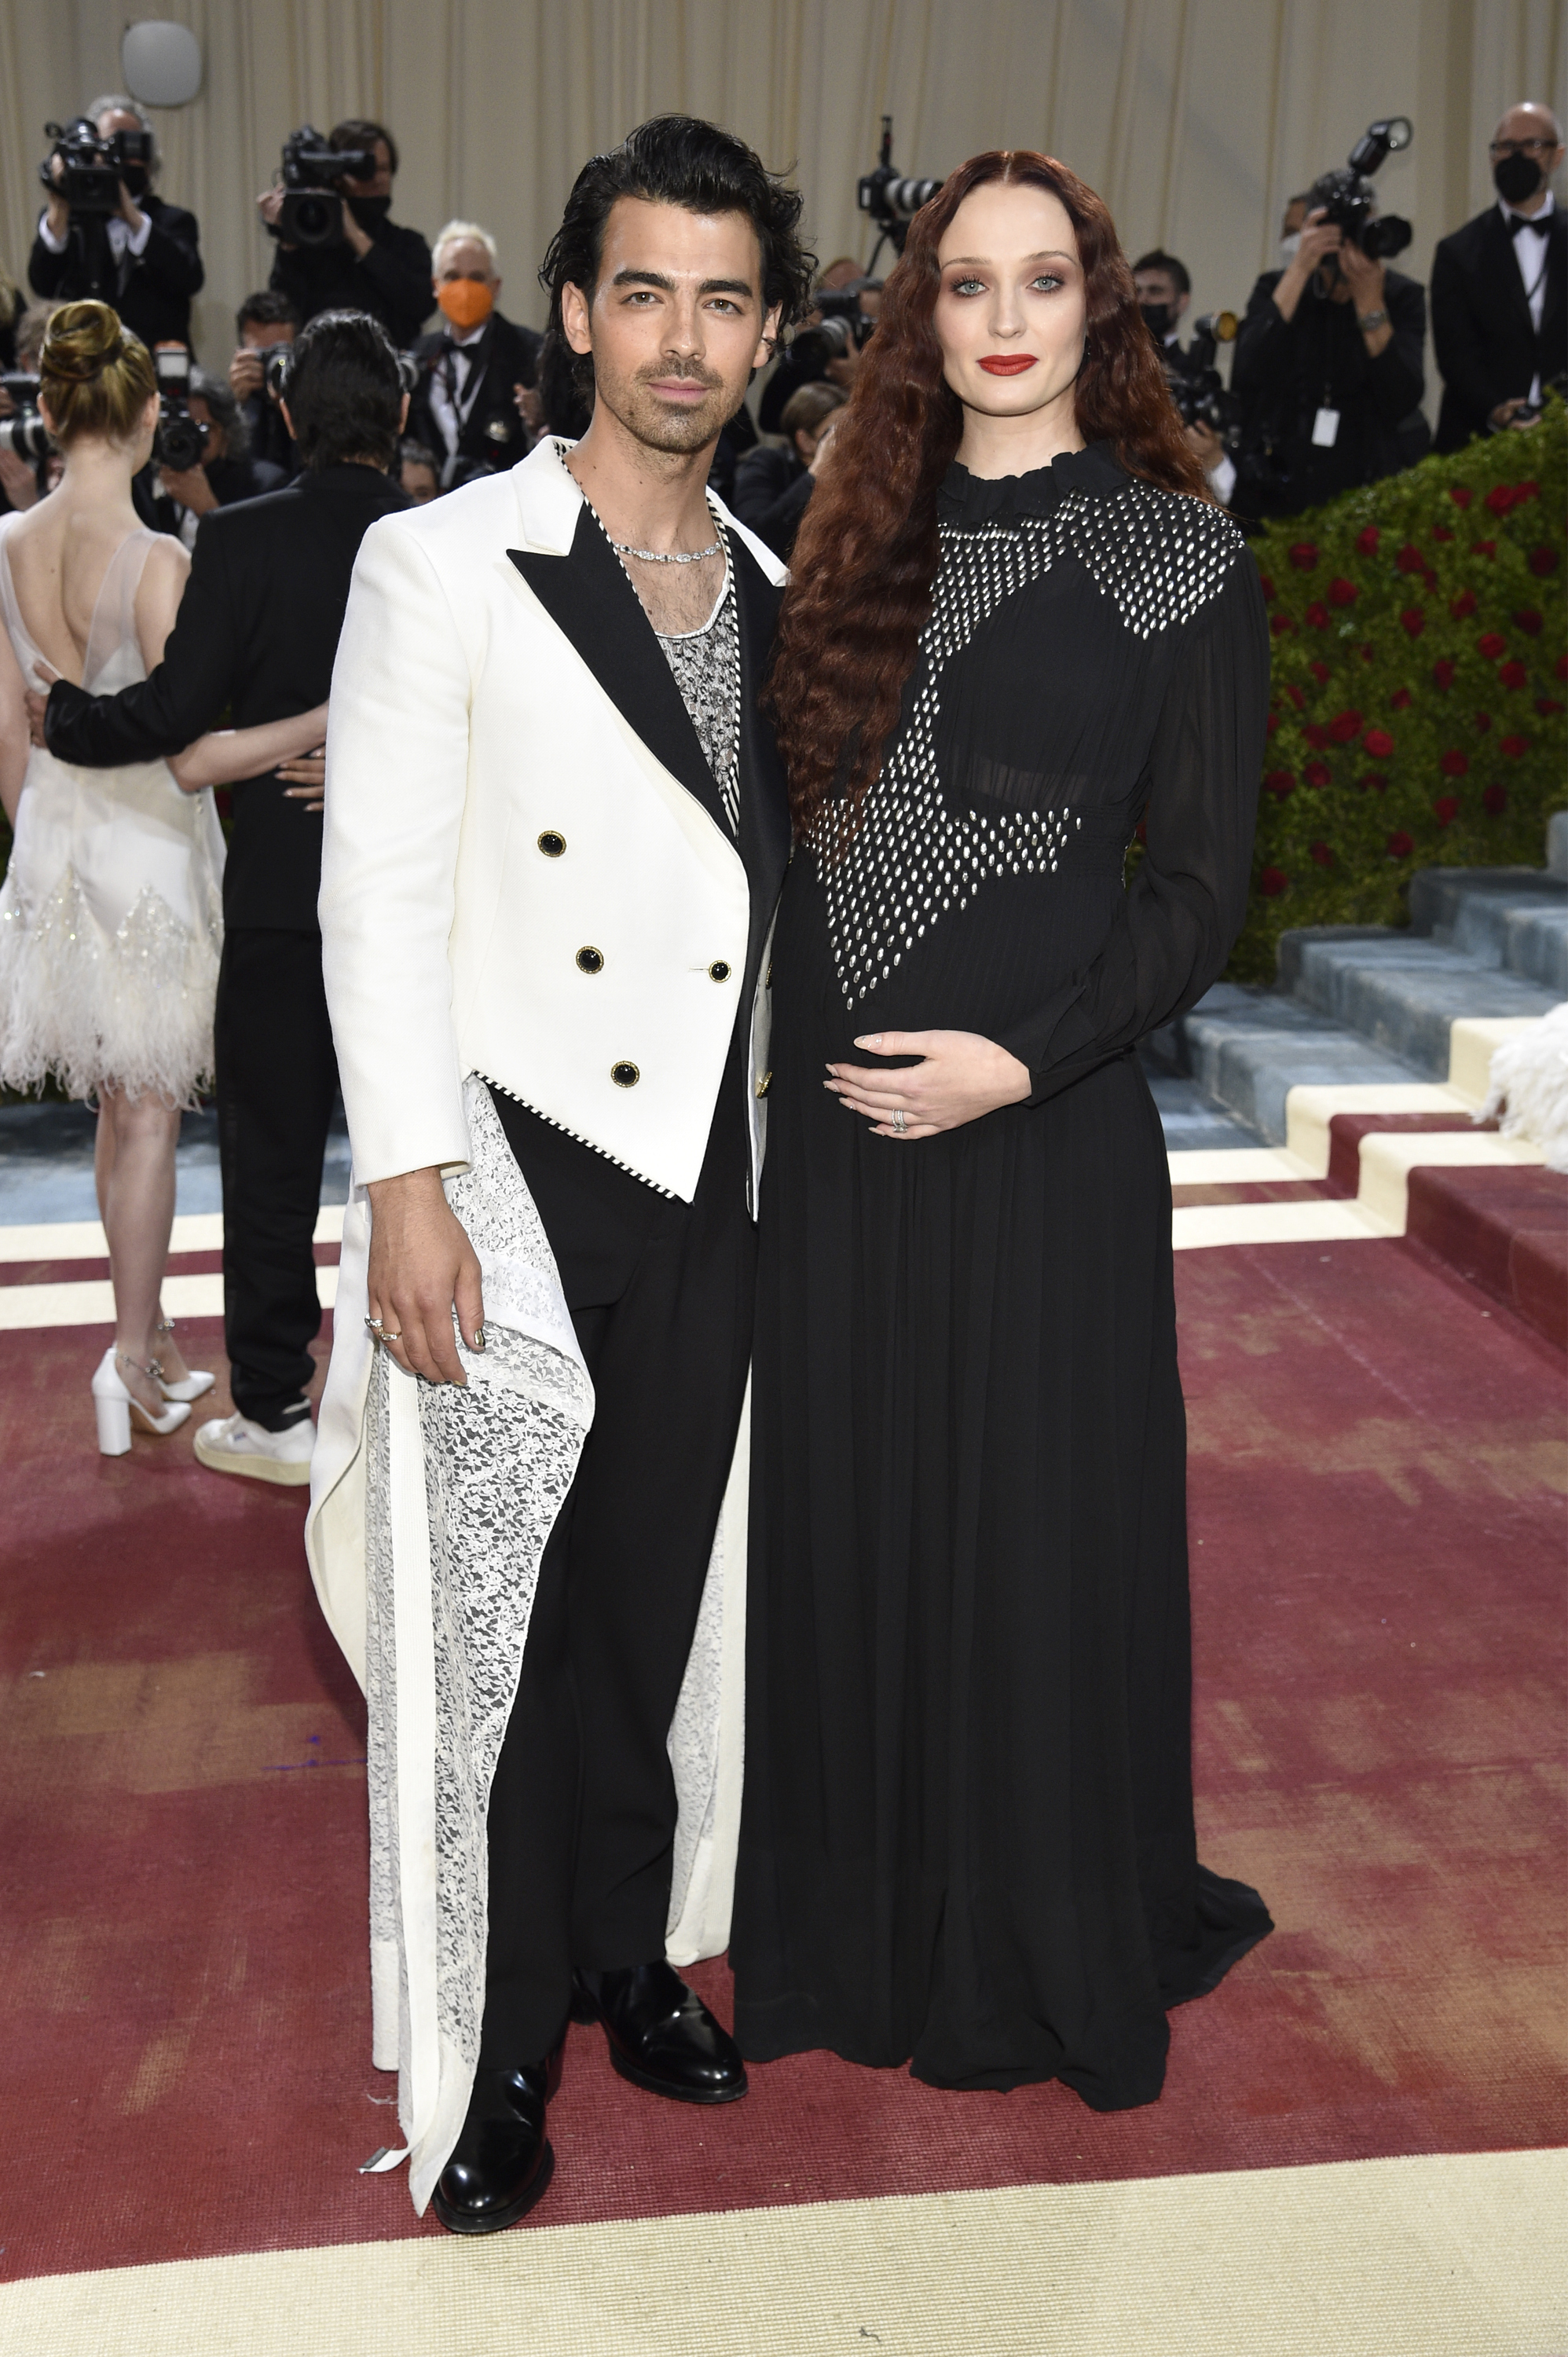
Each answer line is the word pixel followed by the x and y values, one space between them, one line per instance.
pixel 1377 1483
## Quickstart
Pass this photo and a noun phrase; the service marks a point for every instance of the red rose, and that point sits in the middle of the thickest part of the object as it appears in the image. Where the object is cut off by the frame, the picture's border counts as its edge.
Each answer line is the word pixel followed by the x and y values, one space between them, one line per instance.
pixel 1317 773
pixel 1373 785
pixel 1319 672
pixel 1400 699
pixel 1542 561
pixel 1267 587
pixel 1316 734
pixel 1546 705
pixel 1455 764
pixel 1281 782
pixel 1410 559
pixel 1274 720
pixel 1303 555
pixel 1378 743
pixel 1464 604
pixel 1323 856
pixel 1344 726
pixel 1460 494
pixel 1483 548
pixel 1447 809
pixel 1400 845
pixel 1500 499
pixel 1443 673
pixel 1514 747
pixel 1528 621
pixel 1280 624
pixel 1274 881
pixel 1415 620
pixel 1496 799
pixel 1366 541
pixel 1512 674
pixel 1342 592
pixel 1294 694
pixel 1441 531
pixel 1491 645
pixel 1317 615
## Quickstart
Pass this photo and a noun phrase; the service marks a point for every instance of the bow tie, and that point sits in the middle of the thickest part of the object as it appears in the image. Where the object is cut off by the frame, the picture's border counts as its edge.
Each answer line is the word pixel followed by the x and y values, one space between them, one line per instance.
pixel 1538 222
pixel 461 351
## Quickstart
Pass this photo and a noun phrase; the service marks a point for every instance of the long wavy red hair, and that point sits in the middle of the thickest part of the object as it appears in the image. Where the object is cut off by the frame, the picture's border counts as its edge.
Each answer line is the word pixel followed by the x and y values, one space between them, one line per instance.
pixel 865 556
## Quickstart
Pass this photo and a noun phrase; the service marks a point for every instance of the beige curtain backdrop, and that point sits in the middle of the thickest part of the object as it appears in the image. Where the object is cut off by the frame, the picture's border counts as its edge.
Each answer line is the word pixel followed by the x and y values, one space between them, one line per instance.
pixel 1194 118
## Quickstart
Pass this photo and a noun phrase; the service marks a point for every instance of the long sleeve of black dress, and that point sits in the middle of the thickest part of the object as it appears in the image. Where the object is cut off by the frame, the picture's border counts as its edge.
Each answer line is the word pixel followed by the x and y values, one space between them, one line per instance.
pixel 1186 900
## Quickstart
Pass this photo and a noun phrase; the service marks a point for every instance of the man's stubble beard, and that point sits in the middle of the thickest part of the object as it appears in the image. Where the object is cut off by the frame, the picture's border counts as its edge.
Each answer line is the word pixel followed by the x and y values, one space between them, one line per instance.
pixel 674 433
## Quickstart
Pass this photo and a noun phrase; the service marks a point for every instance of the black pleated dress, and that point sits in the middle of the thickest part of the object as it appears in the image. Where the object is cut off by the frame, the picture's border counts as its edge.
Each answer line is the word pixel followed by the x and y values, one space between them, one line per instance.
pixel 967 1838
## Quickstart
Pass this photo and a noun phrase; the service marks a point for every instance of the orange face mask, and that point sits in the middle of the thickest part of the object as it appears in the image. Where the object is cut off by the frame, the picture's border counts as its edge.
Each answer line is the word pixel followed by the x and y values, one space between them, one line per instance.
pixel 467 302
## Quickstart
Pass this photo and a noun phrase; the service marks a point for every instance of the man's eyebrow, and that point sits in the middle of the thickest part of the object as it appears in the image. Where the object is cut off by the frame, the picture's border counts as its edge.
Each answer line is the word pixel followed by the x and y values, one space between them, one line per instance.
pixel 659 278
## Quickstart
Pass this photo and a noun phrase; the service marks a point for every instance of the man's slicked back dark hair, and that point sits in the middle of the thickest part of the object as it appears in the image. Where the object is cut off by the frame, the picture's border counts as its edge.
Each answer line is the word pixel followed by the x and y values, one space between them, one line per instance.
pixel 344 391
pixel 676 160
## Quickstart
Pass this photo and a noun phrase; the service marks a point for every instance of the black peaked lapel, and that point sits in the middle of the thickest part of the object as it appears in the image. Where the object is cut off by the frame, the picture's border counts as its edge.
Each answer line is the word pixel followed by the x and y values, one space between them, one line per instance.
pixel 1552 339
pixel 587 596
pixel 764 794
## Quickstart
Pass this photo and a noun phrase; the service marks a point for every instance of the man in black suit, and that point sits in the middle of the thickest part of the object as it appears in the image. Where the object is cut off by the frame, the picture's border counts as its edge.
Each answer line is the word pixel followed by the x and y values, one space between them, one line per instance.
pixel 144 261
pixel 475 405
pixel 375 266
pixel 255 638
pixel 1500 288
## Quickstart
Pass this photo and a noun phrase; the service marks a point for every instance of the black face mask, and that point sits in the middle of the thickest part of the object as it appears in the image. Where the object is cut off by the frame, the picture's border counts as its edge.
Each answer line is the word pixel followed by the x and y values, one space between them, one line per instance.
pixel 367 210
pixel 1160 318
pixel 1517 178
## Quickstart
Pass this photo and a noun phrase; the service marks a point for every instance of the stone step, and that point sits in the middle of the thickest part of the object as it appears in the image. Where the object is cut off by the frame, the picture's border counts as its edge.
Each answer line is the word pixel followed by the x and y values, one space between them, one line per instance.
pixel 1248 1048
pixel 1399 992
pixel 1513 919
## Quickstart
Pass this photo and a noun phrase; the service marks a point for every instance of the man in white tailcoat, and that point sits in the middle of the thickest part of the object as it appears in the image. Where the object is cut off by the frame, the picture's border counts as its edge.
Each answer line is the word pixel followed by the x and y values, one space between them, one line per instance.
pixel 556 830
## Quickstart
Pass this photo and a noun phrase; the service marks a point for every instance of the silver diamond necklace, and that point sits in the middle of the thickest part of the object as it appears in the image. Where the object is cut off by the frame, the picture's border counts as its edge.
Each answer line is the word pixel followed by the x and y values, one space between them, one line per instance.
pixel 663 556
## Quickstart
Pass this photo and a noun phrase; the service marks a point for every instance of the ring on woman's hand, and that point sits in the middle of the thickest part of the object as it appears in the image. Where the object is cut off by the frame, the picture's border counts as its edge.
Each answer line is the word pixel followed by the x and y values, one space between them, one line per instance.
pixel 899 1118
pixel 382 1333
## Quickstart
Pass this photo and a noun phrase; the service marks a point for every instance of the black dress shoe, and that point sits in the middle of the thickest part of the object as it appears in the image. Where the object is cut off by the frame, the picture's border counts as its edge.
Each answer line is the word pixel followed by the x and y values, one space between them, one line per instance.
pixel 501 2163
pixel 662 2036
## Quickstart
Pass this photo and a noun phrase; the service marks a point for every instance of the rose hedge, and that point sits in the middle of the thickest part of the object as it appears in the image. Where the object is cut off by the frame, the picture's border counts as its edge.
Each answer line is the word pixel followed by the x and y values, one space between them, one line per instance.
pixel 1417 711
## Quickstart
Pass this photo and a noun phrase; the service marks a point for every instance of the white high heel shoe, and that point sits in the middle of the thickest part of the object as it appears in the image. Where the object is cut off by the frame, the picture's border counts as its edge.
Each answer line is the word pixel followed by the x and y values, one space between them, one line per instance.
pixel 189 1387
pixel 115 1406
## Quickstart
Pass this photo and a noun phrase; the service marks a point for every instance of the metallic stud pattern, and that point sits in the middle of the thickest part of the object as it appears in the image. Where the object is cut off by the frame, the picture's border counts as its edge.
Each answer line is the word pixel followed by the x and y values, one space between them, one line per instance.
pixel 590 960
pixel 551 844
pixel 625 1075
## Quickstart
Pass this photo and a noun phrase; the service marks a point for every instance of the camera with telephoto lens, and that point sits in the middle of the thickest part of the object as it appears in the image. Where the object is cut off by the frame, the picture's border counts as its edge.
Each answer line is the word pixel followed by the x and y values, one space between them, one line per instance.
pixel 890 198
pixel 92 168
pixel 179 442
pixel 1199 393
pixel 312 212
pixel 23 433
pixel 1345 196
pixel 843 328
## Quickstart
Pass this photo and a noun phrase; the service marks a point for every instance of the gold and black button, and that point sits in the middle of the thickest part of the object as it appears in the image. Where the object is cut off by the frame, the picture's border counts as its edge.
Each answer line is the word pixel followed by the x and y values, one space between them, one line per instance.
pixel 551 844
pixel 625 1075
pixel 718 970
pixel 590 960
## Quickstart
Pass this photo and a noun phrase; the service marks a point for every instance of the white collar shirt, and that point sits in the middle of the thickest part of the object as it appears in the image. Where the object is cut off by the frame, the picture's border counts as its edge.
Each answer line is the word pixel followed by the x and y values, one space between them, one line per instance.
pixel 122 240
pixel 454 384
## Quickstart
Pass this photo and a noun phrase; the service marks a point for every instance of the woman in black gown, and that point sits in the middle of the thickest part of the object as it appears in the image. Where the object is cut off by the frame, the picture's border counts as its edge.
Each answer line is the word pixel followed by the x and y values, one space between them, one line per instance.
pixel 967 1837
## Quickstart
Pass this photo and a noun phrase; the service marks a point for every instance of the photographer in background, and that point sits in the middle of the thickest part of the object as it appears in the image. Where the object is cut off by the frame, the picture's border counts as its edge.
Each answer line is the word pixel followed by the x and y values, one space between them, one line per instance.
pixel 227 473
pixel 266 324
pixel 418 471
pixel 475 401
pixel 23 480
pixel 255 638
pixel 826 347
pixel 1328 362
pixel 374 266
pixel 773 486
pixel 144 260
pixel 1499 289
pixel 1164 288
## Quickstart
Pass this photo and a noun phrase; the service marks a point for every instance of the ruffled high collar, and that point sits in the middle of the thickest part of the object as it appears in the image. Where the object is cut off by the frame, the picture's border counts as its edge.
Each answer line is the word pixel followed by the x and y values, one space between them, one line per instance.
pixel 973 499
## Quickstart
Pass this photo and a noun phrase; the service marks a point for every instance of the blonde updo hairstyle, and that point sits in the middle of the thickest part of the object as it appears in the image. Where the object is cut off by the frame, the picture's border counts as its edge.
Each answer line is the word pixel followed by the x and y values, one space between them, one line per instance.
pixel 96 378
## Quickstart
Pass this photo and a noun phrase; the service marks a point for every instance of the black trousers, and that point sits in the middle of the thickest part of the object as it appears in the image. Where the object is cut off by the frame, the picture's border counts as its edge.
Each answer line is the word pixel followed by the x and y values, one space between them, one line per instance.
pixel 582 1820
pixel 277 1083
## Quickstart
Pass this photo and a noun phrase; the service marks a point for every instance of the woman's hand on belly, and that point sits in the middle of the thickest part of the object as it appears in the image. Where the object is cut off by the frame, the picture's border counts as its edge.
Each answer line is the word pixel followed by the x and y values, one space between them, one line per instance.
pixel 962 1077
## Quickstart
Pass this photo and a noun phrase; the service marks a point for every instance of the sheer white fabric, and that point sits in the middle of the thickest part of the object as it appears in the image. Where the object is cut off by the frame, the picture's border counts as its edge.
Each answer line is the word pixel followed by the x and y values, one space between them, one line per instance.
pixel 110 913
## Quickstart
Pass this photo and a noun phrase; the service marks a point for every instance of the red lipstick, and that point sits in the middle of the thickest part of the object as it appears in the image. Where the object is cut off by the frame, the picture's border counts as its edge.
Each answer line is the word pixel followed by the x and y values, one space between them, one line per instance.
pixel 1007 363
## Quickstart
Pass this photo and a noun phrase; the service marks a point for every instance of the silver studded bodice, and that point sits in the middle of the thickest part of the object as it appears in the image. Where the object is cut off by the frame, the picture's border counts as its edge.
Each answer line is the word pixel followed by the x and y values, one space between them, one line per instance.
pixel 922 850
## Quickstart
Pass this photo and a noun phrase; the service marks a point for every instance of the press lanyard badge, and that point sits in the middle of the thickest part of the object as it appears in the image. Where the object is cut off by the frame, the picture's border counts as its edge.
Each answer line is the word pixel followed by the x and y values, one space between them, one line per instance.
pixel 1326 429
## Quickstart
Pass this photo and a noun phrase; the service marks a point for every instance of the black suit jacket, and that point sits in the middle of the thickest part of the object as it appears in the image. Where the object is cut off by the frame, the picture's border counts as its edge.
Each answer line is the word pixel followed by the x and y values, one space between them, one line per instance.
pixel 254 640
pixel 1486 346
pixel 392 282
pixel 492 436
pixel 151 291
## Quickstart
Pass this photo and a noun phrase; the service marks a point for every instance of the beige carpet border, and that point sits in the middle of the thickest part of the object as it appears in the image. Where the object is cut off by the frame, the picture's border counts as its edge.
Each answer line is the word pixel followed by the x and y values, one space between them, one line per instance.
pixel 1440 2256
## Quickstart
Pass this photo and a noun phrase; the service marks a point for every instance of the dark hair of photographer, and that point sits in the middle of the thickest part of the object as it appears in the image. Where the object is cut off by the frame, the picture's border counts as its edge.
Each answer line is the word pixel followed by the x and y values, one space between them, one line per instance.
pixel 566 407
pixel 868 544
pixel 129 249
pixel 773 486
pixel 1329 360
pixel 269 311
pixel 676 160
pixel 418 472
pixel 374 266
pixel 343 392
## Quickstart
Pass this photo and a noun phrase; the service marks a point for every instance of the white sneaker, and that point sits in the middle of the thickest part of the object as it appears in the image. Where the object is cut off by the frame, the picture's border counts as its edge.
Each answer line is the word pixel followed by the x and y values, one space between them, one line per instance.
pixel 232 1444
